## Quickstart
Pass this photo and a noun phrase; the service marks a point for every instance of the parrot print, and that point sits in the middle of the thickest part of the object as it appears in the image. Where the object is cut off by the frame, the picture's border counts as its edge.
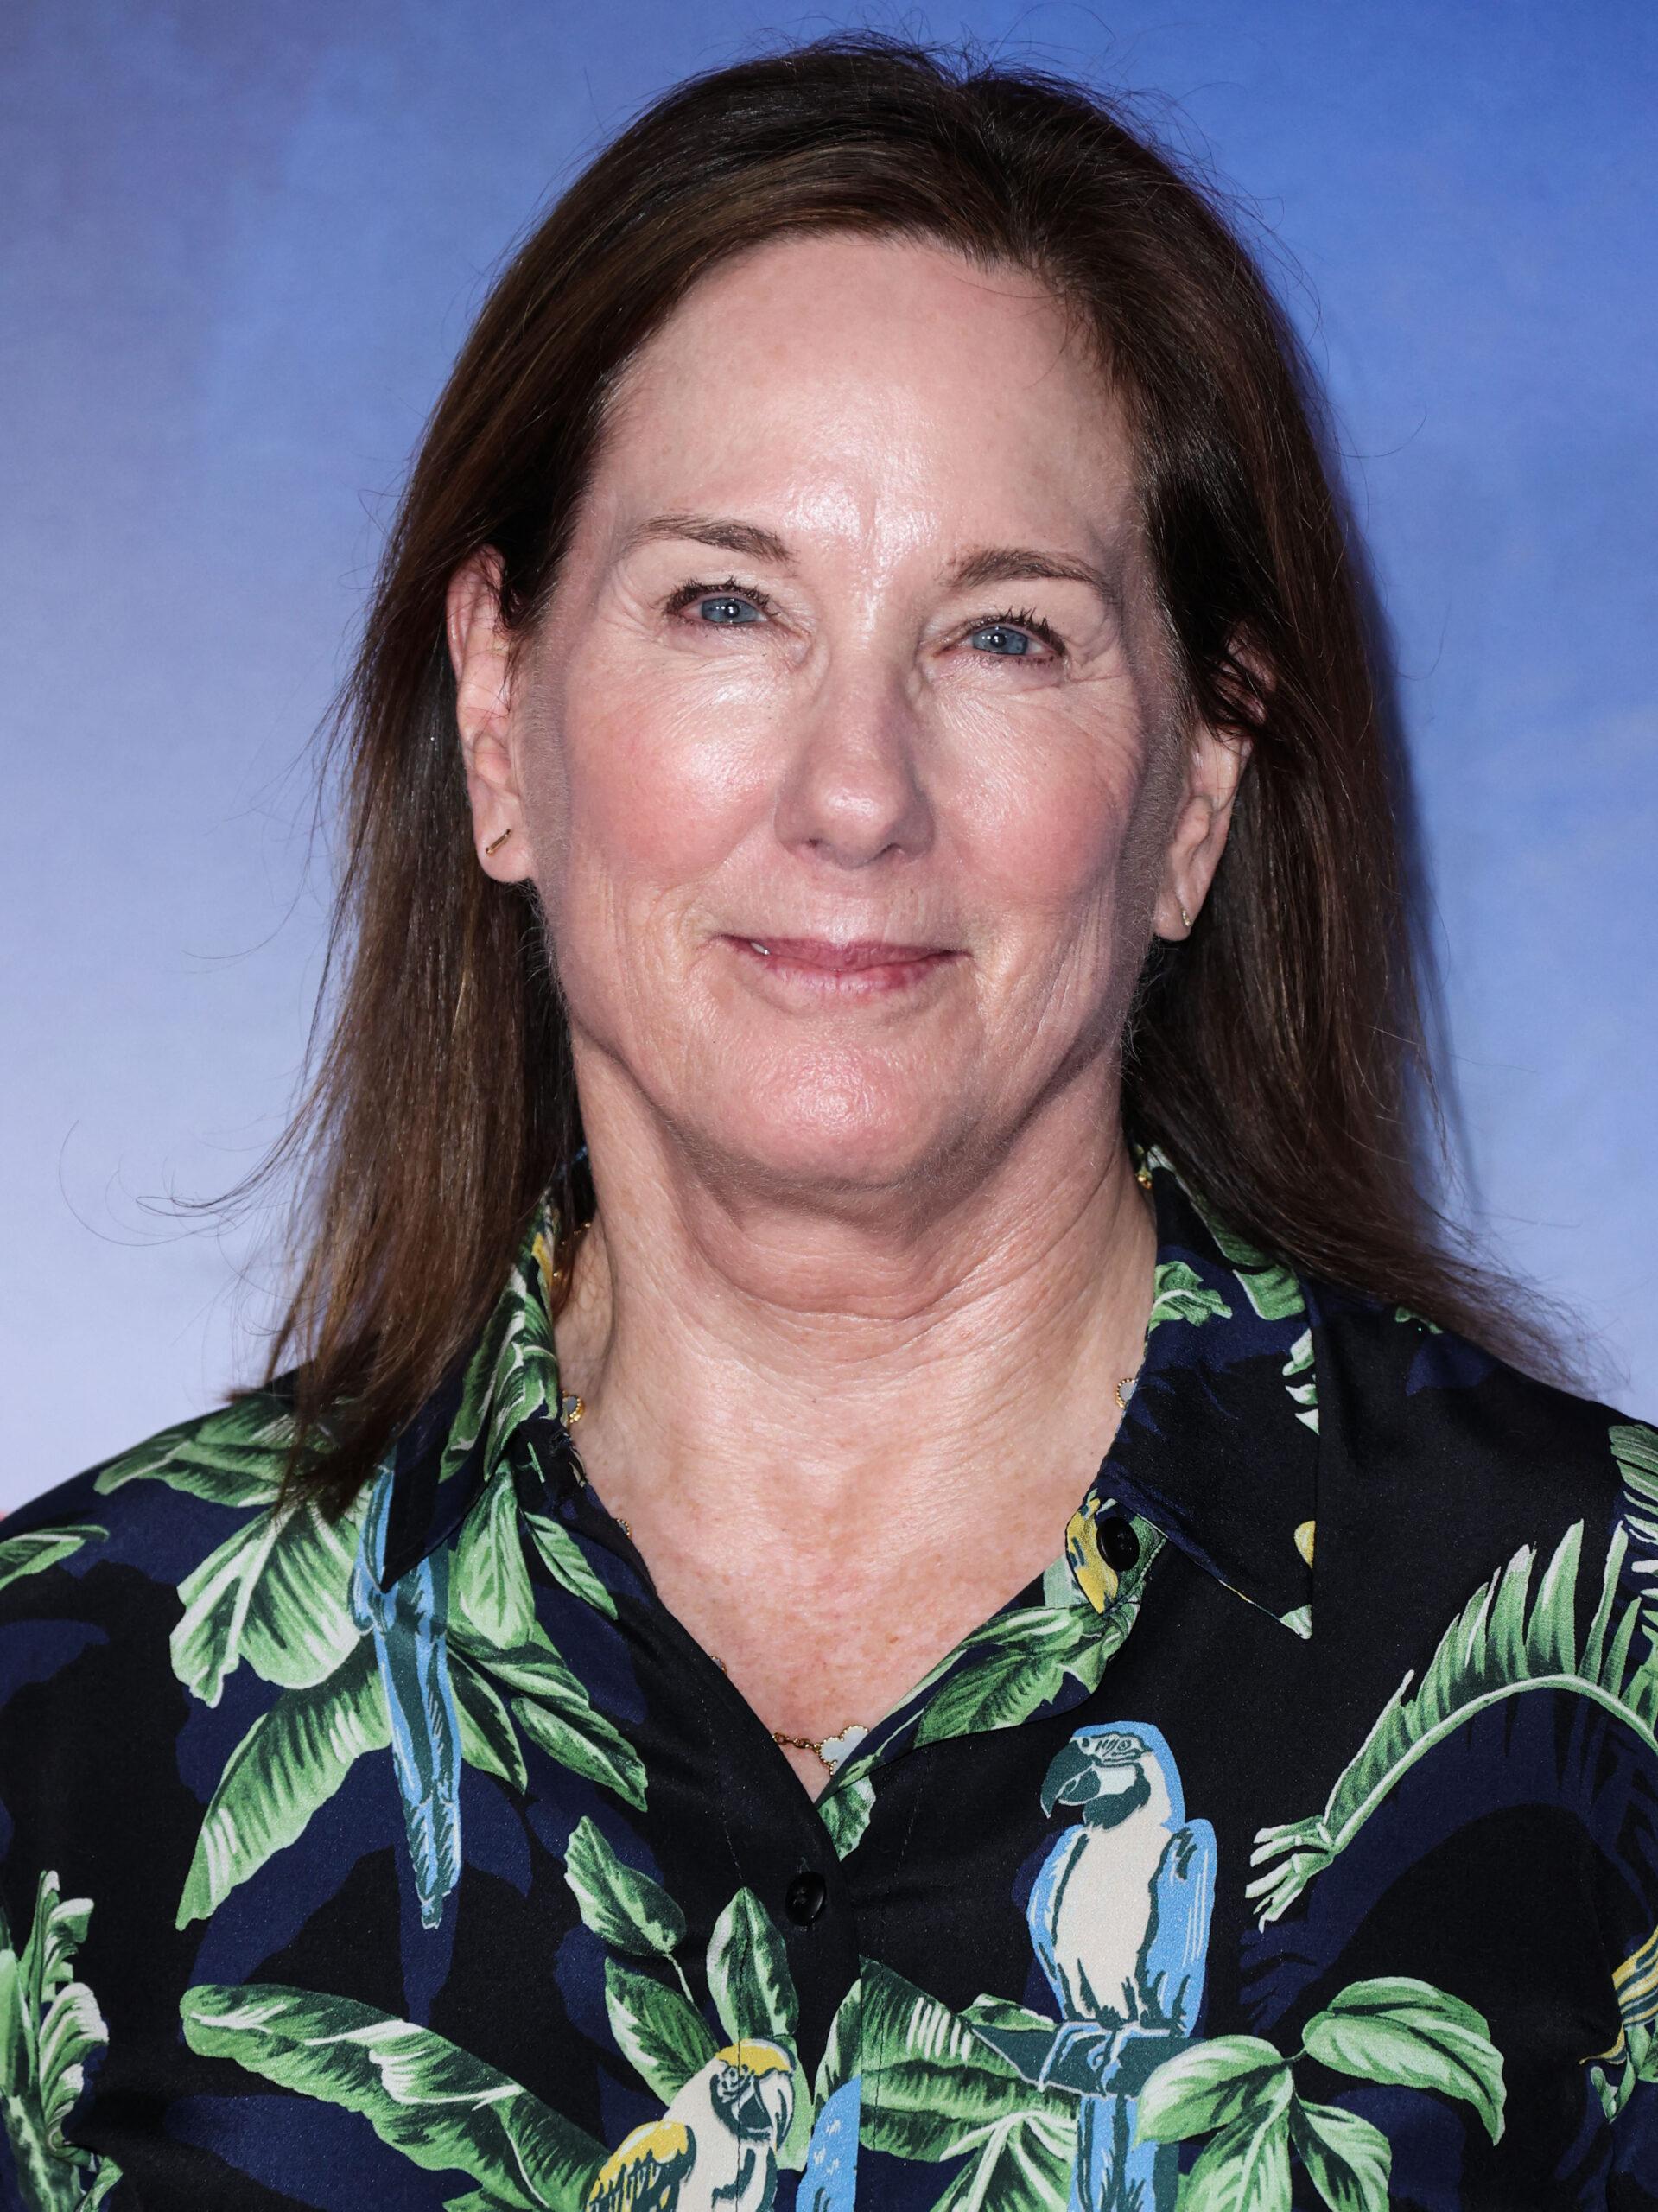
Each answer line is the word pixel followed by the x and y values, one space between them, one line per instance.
pixel 716 2144
pixel 406 1623
pixel 420 1858
pixel 1119 1919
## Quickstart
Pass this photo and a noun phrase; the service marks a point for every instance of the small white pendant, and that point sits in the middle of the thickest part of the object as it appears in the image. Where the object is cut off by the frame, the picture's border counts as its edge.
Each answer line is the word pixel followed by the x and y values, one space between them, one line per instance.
pixel 834 1749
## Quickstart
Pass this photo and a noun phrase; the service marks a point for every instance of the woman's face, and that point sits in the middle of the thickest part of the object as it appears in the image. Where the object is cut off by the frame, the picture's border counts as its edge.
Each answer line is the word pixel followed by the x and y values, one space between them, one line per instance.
pixel 854 648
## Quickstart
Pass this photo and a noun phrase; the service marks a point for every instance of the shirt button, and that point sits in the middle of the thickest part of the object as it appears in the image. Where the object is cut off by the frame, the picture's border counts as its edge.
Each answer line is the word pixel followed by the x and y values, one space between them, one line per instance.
pixel 1119 1546
pixel 804 1898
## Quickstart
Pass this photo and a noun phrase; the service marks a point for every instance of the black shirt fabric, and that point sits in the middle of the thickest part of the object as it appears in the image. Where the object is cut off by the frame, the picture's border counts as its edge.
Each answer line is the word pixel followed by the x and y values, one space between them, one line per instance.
pixel 1290 1842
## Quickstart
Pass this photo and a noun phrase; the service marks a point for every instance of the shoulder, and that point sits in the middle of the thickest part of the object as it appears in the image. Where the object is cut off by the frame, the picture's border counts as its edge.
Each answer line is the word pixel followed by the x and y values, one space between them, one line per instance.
pixel 119 1547
pixel 1436 1452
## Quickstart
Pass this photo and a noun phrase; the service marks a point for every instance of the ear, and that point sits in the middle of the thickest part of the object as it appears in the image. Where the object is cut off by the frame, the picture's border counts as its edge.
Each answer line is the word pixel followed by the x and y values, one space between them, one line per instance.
pixel 479 652
pixel 1215 761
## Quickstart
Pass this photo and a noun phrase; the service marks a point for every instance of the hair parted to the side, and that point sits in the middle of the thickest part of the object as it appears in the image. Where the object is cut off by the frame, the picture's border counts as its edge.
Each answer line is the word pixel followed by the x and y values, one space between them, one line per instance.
pixel 1276 1056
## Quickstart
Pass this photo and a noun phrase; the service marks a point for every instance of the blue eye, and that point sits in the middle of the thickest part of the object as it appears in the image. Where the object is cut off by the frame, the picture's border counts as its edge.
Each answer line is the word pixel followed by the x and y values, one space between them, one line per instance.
pixel 727 605
pixel 1014 634
pixel 734 613
pixel 1010 644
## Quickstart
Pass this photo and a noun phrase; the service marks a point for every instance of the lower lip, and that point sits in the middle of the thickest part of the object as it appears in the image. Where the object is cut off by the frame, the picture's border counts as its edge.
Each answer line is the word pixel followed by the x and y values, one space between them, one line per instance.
pixel 876 981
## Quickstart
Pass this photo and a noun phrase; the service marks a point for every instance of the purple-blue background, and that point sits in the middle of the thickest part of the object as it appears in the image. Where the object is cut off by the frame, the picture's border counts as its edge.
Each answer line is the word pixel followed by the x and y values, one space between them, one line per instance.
pixel 241 246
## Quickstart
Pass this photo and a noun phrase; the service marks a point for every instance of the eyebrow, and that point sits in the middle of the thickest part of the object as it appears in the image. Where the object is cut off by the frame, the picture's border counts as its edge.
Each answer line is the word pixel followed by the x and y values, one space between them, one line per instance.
pixel 985 564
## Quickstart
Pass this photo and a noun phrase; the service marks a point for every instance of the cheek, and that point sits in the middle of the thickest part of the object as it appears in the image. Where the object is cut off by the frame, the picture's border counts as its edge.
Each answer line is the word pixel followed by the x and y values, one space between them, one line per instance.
pixel 633 797
pixel 1053 836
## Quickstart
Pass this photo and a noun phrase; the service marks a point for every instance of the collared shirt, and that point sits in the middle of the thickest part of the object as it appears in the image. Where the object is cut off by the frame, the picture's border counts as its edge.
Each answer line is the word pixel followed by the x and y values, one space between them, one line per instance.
pixel 1293 1838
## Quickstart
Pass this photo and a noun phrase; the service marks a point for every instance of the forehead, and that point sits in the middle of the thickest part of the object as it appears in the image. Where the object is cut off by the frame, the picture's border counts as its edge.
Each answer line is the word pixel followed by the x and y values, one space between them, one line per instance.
pixel 875 388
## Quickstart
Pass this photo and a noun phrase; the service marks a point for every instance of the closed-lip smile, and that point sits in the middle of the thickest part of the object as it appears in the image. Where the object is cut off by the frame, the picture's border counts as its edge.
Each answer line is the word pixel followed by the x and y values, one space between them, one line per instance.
pixel 854 952
pixel 851 966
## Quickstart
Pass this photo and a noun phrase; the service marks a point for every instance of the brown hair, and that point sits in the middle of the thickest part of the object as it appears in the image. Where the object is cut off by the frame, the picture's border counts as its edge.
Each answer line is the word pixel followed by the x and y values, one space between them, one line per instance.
pixel 1275 1056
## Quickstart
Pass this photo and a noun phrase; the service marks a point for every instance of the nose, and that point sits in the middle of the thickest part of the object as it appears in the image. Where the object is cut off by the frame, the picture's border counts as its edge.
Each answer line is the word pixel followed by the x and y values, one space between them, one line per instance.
pixel 852 789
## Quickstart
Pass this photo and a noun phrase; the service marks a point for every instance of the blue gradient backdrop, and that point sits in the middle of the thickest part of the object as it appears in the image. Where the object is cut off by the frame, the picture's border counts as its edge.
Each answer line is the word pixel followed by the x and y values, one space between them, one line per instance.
pixel 241 248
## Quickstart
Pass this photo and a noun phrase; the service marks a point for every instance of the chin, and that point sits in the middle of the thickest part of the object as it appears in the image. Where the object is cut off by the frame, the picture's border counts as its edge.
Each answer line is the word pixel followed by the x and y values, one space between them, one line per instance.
pixel 830 1140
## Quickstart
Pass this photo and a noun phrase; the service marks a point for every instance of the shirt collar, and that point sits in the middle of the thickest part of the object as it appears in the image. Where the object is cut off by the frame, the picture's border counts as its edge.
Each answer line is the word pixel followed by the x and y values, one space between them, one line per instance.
pixel 1217 1449
pixel 1219 1445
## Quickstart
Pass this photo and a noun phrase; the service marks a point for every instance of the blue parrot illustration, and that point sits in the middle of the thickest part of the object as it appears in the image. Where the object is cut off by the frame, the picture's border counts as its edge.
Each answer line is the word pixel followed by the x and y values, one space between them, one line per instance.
pixel 1119 1916
pixel 830 2181
pixel 408 1623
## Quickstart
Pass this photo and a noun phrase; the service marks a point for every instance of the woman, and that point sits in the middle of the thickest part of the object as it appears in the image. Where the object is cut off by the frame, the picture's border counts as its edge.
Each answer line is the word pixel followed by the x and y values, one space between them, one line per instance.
pixel 881 1562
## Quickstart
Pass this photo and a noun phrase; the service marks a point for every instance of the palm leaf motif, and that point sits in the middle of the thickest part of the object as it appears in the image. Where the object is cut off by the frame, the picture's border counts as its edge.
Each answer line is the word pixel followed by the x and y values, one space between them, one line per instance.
pixel 39 1549
pixel 513 1372
pixel 423 2095
pixel 934 2090
pixel 1635 1447
pixel 234 1457
pixel 1019 1660
pixel 1178 1294
pixel 660 2031
pixel 50 2028
pixel 1634 2056
pixel 1507 1640
pixel 1271 1286
pixel 449 1666
pixel 1241 2092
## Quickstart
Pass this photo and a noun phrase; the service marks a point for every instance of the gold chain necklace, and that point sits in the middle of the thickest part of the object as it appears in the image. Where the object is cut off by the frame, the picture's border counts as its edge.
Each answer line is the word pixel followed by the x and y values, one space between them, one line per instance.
pixel 832 1750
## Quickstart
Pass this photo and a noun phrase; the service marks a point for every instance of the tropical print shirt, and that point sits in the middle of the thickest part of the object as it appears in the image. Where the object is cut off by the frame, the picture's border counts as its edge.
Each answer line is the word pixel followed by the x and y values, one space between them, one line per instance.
pixel 1291 1841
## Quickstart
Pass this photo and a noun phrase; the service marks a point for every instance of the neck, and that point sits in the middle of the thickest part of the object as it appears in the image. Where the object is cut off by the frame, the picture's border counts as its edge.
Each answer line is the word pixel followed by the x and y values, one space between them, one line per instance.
pixel 758 1368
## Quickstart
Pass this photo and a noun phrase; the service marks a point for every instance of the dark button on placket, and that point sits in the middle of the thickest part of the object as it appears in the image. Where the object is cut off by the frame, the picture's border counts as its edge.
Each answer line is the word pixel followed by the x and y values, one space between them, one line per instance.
pixel 1119 1546
pixel 804 1898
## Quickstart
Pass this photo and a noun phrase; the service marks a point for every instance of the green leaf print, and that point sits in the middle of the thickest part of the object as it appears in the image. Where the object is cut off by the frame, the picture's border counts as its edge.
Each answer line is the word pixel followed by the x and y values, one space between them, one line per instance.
pixel 1016 1662
pixel 1178 1295
pixel 566 1562
pixel 1212 2085
pixel 1301 1382
pixel 1347 2160
pixel 844 1808
pixel 488 1739
pixel 50 2029
pixel 585 1742
pixel 273 1594
pixel 39 1549
pixel 622 1907
pixel 1397 2030
pixel 749 1980
pixel 1024 2038
pixel 657 2029
pixel 1407 2032
pixel 1404 1314
pixel 553 1709
pixel 842 2052
pixel 1507 1640
pixel 512 1375
pixel 933 2089
pixel 1634 1448
pixel 423 2094
pixel 232 1456
pixel 1001 1683
pixel 1634 2056
pixel 1245 2169
pixel 1271 1288
pixel 291 1761
pixel 490 1590
pixel 1023 2165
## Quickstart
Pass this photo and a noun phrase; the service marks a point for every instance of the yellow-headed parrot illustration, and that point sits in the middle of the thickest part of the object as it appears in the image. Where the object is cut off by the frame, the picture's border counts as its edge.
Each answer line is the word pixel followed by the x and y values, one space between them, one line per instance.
pixel 714 2149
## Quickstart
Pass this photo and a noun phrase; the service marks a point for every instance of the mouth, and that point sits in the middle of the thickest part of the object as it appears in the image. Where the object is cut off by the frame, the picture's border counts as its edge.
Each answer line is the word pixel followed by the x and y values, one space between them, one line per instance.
pixel 857 966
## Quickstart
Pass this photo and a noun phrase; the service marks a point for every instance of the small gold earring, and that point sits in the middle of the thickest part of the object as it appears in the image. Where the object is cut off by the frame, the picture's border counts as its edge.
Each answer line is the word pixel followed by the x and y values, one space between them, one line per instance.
pixel 1184 916
pixel 495 844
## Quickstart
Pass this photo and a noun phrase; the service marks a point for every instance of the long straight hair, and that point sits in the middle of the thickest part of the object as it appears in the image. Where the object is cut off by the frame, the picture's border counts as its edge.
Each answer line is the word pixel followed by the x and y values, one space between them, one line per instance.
pixel 1276 1055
